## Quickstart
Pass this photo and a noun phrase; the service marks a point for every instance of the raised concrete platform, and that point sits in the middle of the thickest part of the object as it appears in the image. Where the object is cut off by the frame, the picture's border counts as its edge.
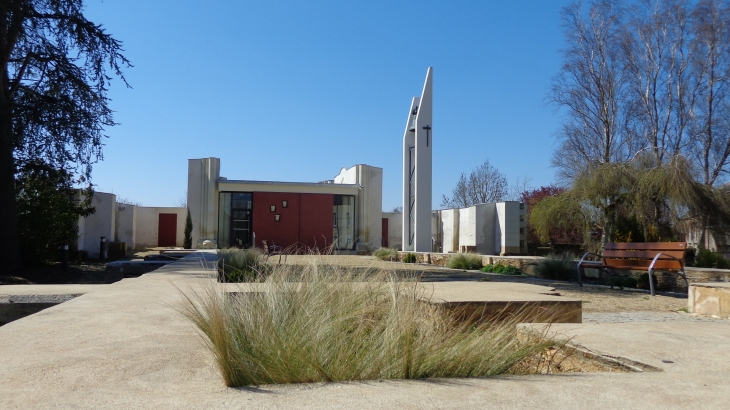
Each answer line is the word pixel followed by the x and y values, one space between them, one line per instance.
pixel 478 301
pixel 126 346
pixel 712 299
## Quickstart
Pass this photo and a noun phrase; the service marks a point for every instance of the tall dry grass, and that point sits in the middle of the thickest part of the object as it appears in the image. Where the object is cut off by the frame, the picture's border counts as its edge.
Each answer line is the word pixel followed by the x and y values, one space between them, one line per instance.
pixel 242 265
pixel 320 323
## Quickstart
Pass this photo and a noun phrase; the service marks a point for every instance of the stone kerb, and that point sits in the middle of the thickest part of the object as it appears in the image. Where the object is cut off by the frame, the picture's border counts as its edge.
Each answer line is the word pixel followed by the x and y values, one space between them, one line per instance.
pixel 712 299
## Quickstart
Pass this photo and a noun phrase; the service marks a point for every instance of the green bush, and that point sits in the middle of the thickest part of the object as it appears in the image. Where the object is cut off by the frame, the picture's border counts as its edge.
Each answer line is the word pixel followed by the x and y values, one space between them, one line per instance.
pixel 386 254
pixel 410 258
pixel 502 269
pixel 188 232
pixel 241 265
pixel 558 267
pixel 705 258
pixel 467 261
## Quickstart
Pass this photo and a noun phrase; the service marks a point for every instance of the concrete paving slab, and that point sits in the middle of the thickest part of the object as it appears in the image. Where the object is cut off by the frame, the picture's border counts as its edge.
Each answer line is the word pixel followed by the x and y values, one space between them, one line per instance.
pixel 126 346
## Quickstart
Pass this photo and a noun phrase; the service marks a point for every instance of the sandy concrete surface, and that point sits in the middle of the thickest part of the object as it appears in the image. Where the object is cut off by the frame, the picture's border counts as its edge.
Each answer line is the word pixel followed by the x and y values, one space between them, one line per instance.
pixel 126 346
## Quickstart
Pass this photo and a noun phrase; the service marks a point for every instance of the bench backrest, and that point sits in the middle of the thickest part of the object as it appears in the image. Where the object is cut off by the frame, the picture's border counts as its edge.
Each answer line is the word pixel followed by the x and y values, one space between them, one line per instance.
pixel 640 255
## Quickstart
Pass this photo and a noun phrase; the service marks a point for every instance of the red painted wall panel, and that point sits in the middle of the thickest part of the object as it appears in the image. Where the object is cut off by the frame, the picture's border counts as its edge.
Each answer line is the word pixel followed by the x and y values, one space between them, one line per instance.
pixel 306 222
pixel 283 233
pixel 315 220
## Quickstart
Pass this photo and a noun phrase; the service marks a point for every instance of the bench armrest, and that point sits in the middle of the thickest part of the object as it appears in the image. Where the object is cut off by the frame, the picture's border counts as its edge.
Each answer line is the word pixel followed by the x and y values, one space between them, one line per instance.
pixel 651 269
pixel 585 255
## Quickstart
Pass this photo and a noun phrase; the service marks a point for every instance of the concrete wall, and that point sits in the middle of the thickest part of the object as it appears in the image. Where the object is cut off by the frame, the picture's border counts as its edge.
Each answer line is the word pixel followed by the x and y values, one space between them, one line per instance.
pixel 147 225
pixel 368 203
pixel 487 235
pixel 467 232
pixel 509 225
pixel 126 224
pixel 203 176
pixel 100 223
pixel 487 229
pixel 395 229
pixel 450 229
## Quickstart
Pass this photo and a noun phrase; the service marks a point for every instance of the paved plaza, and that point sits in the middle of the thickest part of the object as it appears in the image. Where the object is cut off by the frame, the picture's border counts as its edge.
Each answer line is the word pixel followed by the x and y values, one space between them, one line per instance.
pixel 125 345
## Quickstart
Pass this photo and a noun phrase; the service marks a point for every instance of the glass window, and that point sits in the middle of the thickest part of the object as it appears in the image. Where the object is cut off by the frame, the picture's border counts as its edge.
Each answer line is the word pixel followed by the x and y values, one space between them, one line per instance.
pixel 343 224
pixel 234 220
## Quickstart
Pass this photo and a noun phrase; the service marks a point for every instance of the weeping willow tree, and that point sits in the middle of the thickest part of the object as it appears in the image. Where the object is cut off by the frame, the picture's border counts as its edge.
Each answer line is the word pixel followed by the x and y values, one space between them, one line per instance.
pixel 664 200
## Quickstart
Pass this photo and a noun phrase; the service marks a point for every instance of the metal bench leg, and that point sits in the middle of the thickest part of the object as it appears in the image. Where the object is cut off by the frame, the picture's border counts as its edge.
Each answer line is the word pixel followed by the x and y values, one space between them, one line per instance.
pixel 580 275
pixel 580 269
pixel 651 282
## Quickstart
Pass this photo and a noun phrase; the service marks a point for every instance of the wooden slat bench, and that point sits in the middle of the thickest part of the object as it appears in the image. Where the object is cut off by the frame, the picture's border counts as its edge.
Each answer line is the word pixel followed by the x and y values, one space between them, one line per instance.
pixel 648 256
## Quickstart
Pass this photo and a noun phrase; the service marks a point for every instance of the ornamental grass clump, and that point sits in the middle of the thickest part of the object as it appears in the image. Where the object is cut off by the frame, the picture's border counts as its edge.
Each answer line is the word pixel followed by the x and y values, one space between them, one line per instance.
pixel 319 323
pixel 242 265
pixel 558 267
pixel 467 261
pixel 386 254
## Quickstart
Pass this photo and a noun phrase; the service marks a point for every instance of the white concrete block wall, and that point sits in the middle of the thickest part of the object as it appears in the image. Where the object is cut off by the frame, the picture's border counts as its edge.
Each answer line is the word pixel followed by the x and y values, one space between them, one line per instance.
pixel 369 202
pixel 148 222
pixel 484 227
pixel 100 223
pixel 126 224
pixel 467 222
pixel 450 230
pixel 203 176
pixel 489 229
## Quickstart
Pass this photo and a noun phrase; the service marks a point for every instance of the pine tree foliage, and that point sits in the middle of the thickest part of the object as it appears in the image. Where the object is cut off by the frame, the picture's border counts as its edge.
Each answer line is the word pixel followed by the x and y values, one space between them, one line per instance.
pixel 56 67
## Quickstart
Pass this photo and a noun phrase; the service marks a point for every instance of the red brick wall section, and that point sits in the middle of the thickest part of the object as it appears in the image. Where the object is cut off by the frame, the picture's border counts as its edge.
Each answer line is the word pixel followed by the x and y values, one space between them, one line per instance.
pixel 305 222
pixel 315 220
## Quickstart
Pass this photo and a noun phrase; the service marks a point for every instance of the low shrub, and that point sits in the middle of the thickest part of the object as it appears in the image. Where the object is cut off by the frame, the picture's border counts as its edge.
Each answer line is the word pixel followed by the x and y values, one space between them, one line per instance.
pixel 241 265
pixel 410 258
pixel 386 254
pixel 502 269
pixel 315 323
pixel 642 282
pixel 622 281
pixel 705 258
pixel 467 261
pixel 558 267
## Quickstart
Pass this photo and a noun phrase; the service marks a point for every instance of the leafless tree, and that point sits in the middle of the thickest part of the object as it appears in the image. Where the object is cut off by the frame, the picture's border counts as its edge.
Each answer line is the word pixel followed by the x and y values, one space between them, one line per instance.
pixel 656 51
pixel 710 131
pixel 484 184
pixel 590 89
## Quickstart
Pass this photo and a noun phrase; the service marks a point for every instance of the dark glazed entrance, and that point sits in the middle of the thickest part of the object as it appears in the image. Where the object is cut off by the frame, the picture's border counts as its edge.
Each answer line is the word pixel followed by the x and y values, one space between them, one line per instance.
pixel 241 215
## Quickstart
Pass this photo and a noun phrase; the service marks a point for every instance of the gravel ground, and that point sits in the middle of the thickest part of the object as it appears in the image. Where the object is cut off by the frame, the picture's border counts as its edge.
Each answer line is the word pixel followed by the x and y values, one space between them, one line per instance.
pixel 600 303
pixel 631 317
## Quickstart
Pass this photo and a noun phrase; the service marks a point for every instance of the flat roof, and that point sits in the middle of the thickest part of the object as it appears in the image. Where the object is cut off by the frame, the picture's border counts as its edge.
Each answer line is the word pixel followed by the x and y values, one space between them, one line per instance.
pixel 280 186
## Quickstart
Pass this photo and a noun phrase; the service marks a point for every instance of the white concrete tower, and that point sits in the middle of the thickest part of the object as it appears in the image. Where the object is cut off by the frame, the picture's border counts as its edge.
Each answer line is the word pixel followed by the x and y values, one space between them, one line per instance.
pixel 417 148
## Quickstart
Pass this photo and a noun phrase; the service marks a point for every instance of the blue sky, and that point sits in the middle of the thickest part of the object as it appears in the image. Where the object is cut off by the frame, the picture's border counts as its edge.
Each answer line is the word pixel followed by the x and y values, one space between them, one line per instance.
pixel 296 90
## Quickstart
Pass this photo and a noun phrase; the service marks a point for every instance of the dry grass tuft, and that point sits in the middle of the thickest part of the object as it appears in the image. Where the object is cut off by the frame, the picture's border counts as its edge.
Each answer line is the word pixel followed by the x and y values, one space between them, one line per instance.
pixel 321 323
